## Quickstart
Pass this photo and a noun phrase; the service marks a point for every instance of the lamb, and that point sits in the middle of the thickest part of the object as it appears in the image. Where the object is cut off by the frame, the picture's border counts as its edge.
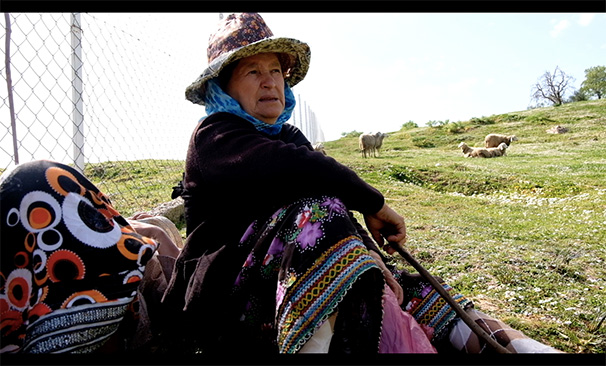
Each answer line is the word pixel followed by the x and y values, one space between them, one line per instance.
pixel 494 139
pixel 481 152
pixel 371 143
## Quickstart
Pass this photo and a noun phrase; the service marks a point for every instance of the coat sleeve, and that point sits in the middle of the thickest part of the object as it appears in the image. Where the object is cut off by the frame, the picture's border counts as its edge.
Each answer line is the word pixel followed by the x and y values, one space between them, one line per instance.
pixel 229 150
pixel 294 135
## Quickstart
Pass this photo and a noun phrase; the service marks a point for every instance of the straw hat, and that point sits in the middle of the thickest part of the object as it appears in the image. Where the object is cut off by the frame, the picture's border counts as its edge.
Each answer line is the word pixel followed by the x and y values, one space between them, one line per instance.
pixel 242 35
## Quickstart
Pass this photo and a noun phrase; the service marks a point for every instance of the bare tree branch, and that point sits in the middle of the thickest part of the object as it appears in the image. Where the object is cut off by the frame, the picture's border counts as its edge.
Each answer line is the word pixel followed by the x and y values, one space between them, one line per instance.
pixel 552 86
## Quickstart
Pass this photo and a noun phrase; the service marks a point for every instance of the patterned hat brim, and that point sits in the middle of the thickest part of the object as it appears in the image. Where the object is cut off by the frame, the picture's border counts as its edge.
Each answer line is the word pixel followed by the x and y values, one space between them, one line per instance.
pixel 195 92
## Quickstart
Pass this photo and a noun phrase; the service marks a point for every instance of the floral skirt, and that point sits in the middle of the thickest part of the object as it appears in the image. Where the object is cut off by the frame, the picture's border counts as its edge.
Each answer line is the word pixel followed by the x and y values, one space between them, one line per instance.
pixel 305 263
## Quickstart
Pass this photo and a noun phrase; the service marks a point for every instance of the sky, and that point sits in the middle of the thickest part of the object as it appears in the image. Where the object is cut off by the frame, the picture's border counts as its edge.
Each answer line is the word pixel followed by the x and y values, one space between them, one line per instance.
pixel 375 71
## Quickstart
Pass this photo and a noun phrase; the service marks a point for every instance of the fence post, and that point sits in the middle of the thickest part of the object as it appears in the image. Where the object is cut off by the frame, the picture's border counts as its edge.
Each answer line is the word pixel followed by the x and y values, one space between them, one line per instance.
pixel 9 86
pixel 78 112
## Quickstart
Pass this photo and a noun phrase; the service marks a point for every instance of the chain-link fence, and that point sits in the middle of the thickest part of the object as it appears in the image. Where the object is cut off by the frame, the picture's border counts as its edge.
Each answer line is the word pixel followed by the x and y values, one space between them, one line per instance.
pixel 105 94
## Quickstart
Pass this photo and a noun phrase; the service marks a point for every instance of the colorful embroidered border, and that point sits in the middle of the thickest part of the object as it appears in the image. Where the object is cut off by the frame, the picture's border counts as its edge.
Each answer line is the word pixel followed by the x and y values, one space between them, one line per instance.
pixel 315 295
pixel 435 312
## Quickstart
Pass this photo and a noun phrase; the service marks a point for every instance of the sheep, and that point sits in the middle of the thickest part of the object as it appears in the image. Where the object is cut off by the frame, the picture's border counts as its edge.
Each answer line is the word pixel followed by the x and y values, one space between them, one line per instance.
pixel 319 147
pixel 371 143
pixel 557 129
pixel 467 151
pixel 494 139
pixel 481 152
pixel 366 143
pixel 379 140
pixel 500 150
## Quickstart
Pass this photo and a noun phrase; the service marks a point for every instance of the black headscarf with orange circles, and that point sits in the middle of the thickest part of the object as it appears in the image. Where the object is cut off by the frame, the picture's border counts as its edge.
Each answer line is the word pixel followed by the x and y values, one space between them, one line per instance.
pixel 70 263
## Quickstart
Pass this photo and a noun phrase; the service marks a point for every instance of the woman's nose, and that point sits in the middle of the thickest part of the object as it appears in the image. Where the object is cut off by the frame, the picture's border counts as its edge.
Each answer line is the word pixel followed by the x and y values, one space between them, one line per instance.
pixel 267 81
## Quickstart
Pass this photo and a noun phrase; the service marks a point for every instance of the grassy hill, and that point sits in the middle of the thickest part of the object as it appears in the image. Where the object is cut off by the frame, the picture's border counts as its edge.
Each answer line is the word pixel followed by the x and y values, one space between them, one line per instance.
pixel 523 235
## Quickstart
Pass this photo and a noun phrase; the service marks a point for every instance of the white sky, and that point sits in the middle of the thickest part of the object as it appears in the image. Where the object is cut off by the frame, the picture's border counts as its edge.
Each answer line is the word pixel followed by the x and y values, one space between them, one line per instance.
pixel 376 71
pixel 369 71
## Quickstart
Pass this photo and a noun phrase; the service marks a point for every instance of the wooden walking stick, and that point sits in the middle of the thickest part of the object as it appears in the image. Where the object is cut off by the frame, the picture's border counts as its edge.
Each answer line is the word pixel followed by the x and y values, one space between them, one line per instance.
pixel 455 306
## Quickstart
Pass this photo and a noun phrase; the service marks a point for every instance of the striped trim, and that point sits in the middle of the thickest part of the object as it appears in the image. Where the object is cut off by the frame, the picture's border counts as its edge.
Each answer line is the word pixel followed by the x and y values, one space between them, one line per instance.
pixel 75 329
pixel 435 312
pixel 316 294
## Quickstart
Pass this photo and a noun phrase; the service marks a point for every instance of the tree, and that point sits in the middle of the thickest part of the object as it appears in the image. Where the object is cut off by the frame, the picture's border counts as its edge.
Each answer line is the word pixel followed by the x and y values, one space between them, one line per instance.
pixel 552 87
pixel 578 96
pixel 595 81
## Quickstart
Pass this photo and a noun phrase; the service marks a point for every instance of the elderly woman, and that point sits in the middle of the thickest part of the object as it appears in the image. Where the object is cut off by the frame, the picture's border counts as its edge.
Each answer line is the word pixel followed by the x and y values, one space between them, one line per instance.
pixel 274 259
pixel 273 252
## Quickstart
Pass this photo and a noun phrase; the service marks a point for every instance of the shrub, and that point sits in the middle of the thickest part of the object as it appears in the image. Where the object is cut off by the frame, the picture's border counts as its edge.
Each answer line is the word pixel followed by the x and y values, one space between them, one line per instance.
pixel 353 133
pixel 482 121
pixel 437 123
pixel 508 118
pixel 409 125
pixel 454 127
pixel 578 96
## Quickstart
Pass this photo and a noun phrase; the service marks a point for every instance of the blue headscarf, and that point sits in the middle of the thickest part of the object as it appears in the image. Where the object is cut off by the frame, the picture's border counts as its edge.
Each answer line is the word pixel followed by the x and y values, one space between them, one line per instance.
pixel 217 100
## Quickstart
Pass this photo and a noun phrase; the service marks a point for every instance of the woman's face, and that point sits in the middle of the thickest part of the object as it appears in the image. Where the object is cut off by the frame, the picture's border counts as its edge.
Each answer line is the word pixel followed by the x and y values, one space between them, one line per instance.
pixel 257 84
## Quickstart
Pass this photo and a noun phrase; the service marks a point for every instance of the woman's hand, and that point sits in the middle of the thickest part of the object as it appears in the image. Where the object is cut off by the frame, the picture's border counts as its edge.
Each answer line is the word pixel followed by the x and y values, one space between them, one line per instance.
pixel 386 224
pixel 165 244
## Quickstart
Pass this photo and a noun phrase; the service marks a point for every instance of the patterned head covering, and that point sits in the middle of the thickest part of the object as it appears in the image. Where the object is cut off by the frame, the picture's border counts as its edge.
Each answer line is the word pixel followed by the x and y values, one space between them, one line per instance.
pixel 70 264
pixel 242 35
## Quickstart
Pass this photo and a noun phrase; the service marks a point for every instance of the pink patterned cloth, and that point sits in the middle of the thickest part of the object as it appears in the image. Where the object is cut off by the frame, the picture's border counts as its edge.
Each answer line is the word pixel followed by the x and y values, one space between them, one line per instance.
pixel 401 333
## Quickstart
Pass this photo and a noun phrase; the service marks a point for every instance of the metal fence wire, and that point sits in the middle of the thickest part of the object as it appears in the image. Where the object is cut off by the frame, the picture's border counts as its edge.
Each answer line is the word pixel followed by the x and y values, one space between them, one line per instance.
pixel 105 93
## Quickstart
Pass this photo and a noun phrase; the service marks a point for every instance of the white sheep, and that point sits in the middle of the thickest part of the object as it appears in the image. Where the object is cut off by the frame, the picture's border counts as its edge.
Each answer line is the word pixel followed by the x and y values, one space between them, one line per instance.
pixel 320 147
pixel 482 152
pixel 379 140
pixel 557 129
pixel 495 139
pixel 370 143
pixel 366 143
pixel 500 150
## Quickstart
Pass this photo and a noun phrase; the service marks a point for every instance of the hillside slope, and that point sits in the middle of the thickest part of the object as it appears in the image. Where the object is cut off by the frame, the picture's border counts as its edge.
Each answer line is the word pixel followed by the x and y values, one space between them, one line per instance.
pixel 523 235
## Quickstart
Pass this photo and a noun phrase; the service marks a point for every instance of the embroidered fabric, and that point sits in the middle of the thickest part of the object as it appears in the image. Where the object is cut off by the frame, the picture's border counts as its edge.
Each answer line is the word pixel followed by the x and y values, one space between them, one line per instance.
pixel 427 306
pixel 303 262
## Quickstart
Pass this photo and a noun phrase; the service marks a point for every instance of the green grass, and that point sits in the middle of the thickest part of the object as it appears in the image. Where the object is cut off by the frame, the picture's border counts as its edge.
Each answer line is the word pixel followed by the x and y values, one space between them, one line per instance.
pixel 136 185
pixel 524 235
